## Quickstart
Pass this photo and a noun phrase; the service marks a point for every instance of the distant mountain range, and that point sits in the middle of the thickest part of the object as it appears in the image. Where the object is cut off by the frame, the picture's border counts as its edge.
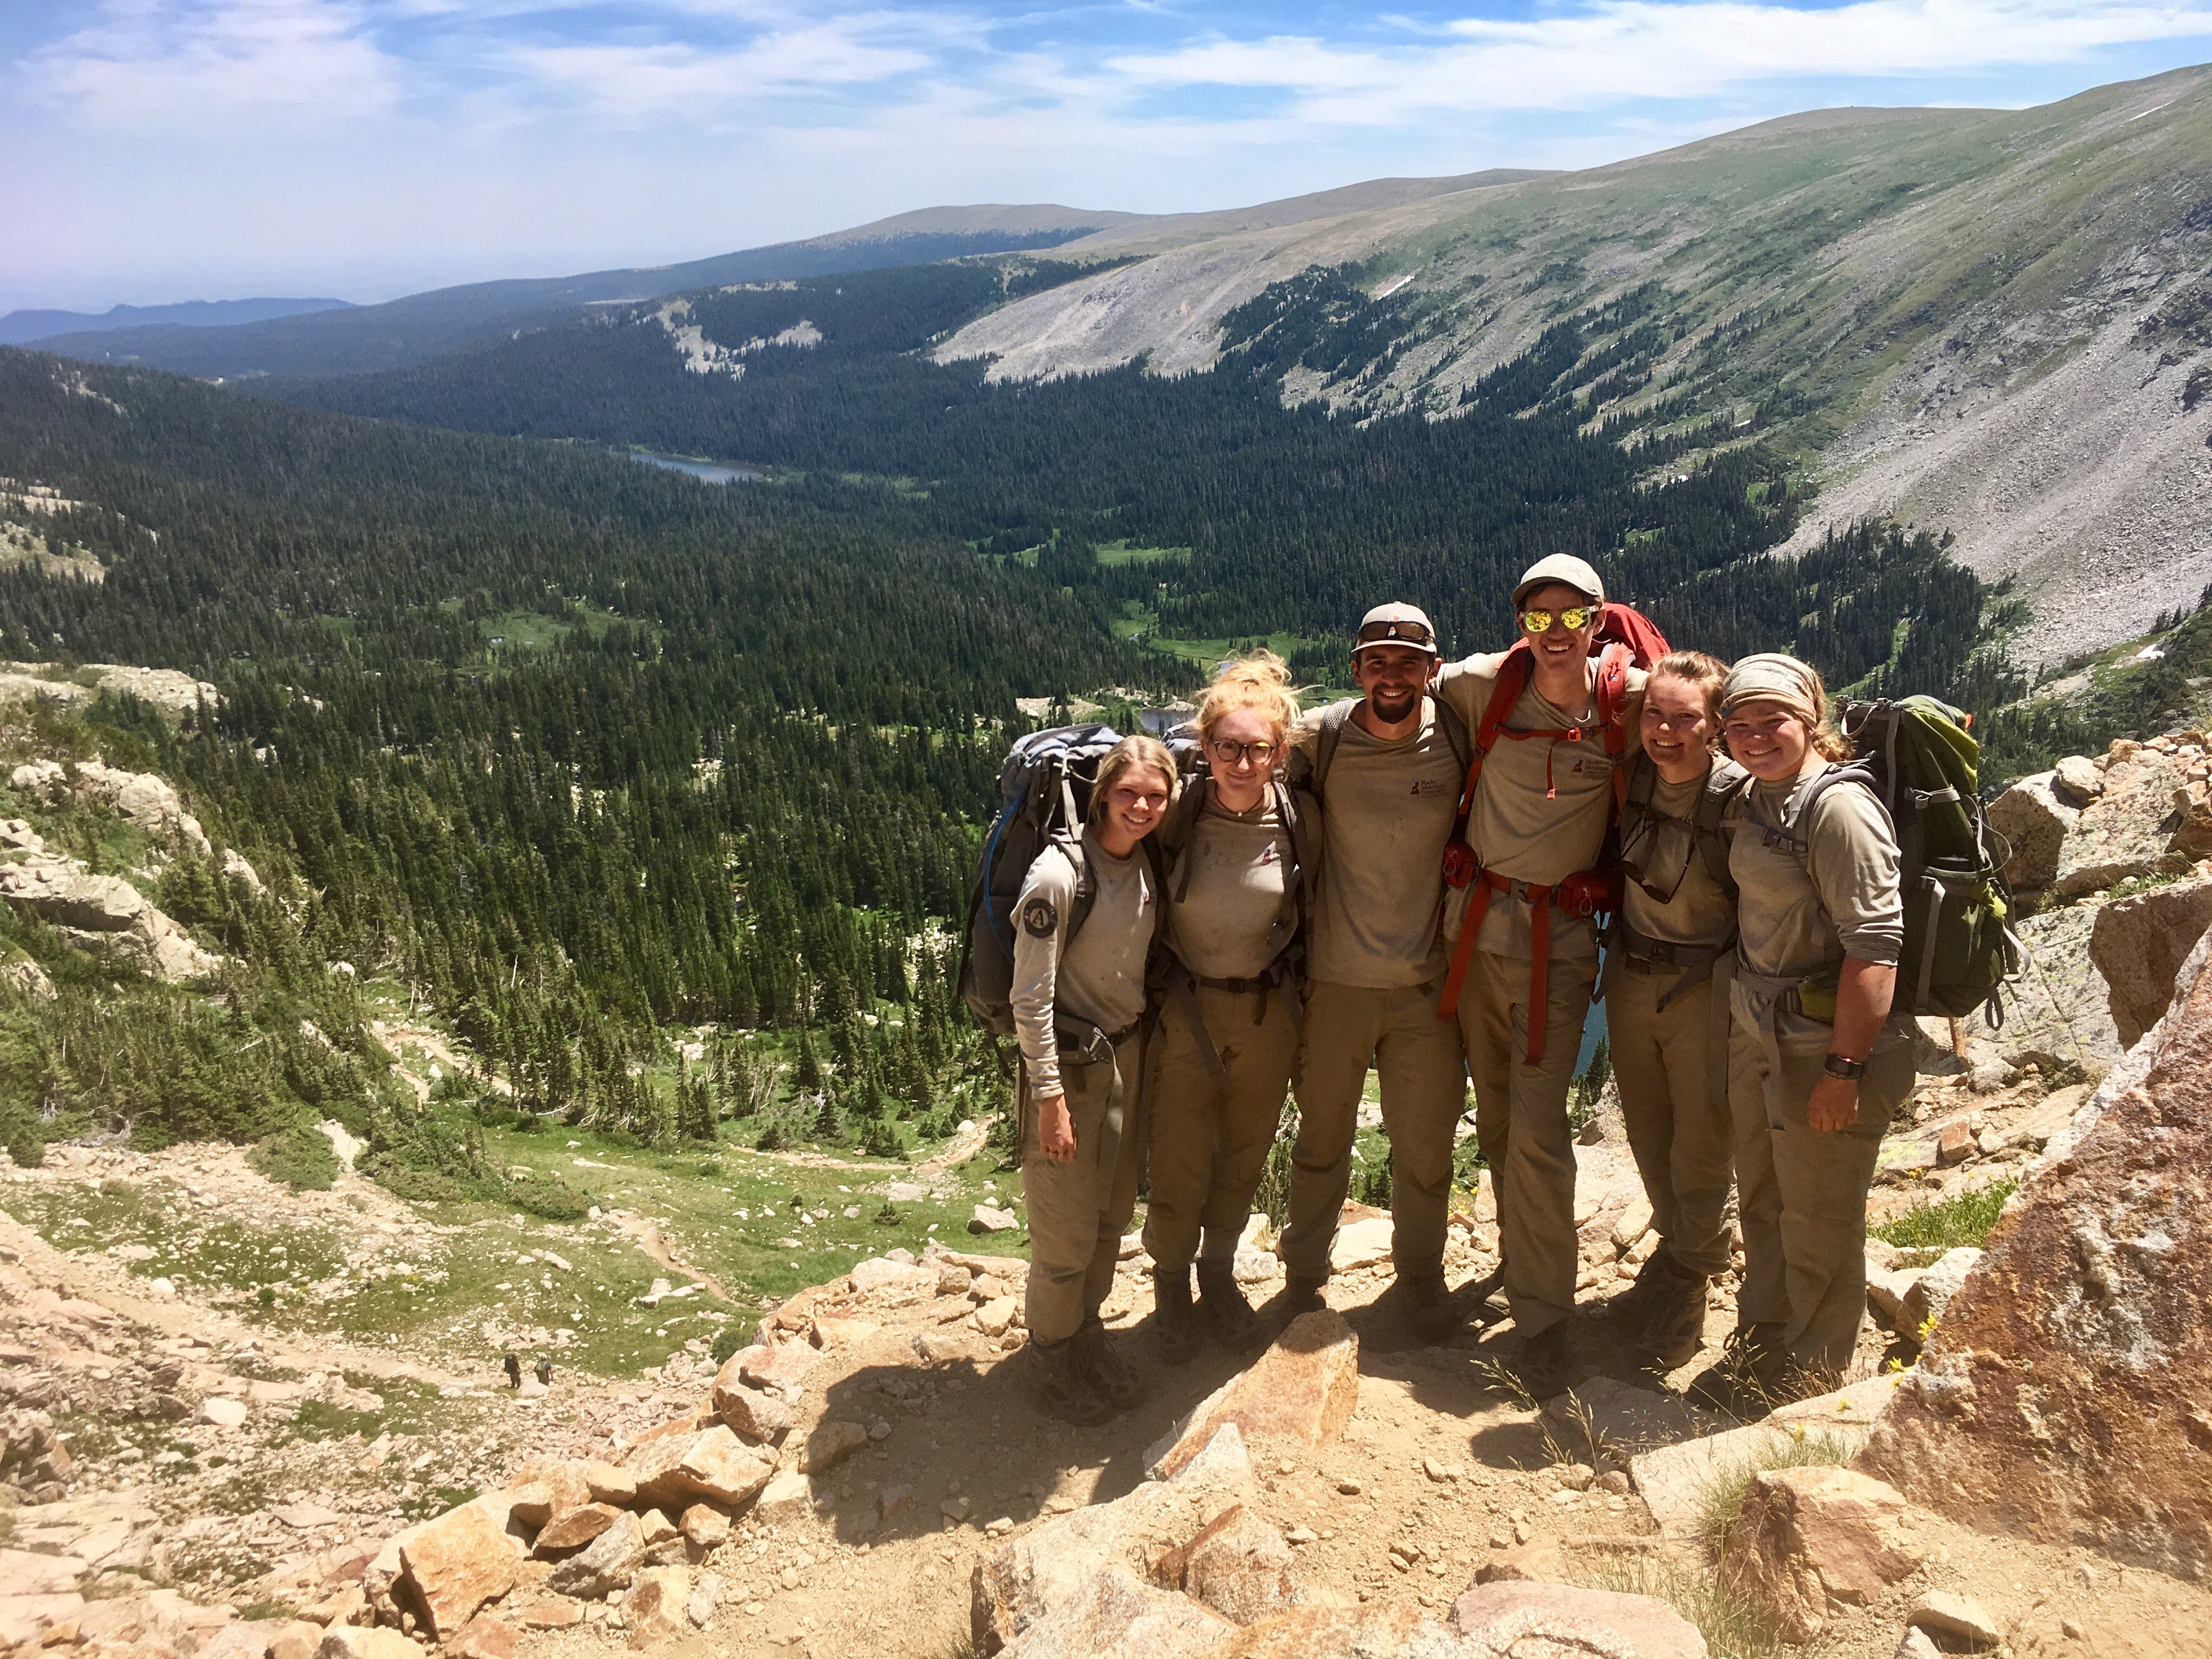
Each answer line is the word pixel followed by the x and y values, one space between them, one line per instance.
pixel 19 327
pixel 393 335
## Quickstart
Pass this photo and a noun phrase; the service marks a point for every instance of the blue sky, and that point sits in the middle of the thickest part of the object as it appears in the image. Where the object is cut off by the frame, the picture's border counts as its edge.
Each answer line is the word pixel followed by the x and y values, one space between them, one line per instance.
pixel 154 150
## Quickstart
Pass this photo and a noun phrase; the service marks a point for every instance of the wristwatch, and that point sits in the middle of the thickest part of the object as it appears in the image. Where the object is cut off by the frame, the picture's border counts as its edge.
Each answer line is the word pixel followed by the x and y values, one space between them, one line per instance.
pixel 1844 1067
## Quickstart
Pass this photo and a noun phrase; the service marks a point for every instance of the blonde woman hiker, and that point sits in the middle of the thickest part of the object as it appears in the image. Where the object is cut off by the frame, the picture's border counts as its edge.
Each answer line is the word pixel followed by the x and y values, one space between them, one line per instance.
pixel 1669 964
pixel 1239 857
pixel 1083 927
pixel 1816 1066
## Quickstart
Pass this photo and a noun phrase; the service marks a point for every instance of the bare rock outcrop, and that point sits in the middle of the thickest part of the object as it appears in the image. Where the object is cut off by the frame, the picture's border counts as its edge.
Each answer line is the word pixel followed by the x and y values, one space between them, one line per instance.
pixel 1302 1391
pixel 2063 1396
pixel 2139 943
pixel 1809 1537
pixel 103 914
pixel 140 797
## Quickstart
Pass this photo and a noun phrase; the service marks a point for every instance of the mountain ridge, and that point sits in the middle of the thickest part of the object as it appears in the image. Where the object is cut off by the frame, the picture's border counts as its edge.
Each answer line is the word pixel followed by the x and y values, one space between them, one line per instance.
pixel 19 327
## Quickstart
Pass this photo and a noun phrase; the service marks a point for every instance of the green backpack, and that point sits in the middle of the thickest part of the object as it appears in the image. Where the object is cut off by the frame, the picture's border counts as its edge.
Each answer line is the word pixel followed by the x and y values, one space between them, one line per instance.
pixel 1917 756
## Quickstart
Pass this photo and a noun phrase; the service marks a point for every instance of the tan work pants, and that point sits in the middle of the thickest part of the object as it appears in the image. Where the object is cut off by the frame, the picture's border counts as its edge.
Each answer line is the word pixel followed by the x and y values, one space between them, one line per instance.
pixel 1424 1077
pixel 1803 1194
pixel 1078 1210
pixel 1211 1131
pixel 1521 1123
pixel 1672 1067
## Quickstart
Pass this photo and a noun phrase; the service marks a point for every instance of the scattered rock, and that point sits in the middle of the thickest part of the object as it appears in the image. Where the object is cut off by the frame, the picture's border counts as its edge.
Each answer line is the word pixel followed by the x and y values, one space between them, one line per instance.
pixel 1932 1289
pixel 705 1595
pixel 996 1317
pixel 1237 1565
pixel 832 1442
pixel 778 1365
pixel 366 1642
pixel 1302 1391
pixel 2076 781
pixel 1915 1645
pixel 1958 1617
pixel 1954 1143
pixel 484 1638
pixel 605 1563
pixel 655 1605
pixel 1114 1616
pixel 224 1413
pixel 893 1283
pixel 1809 1536
pixel 1364 1242
pixel 752 1413
pixel 1513 1619
pixel 2033 817
pixel 986 1219
pixel 830 1332
pixel 787 1496
pixel 573 1529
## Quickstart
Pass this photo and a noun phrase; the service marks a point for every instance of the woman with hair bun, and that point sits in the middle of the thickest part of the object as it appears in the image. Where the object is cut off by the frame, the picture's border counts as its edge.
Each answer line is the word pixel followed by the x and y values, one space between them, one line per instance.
pixel 1816 1065
pixel 1083 928
pixel 1238 866
pixel 1666 993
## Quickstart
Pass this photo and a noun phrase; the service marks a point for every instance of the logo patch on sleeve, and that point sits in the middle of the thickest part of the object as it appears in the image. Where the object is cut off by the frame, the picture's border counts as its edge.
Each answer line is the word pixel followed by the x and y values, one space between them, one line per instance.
pixel 1040 917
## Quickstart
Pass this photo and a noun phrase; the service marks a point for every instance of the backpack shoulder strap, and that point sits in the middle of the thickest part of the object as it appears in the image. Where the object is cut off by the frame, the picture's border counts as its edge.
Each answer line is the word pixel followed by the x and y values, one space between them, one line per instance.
pixel 1086 881
pixel 1331 734
pixel 1514 671
pixel 1723 785
pixel 1612 716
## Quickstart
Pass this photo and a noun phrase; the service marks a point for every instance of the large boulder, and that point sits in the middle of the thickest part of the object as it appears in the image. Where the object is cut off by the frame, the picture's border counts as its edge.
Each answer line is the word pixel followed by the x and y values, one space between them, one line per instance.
pixel 2139 943
pixel 608 1563
pixel 1516 1618
pixel 456 1563
pixel 1809 1537
pixel 1237 1565
pixel 2124 832
pixel 1114 1615
pixel 2059 1012
pixel 678 1471
pixel 2063 1396
pixel 103 914
pixel 2033 817
pixel 754 1414
pixel 1028 1578
pixel 1301 1391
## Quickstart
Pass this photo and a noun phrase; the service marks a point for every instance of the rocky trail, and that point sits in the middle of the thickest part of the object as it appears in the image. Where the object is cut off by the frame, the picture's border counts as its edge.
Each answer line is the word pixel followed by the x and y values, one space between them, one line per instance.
pixel 193 1470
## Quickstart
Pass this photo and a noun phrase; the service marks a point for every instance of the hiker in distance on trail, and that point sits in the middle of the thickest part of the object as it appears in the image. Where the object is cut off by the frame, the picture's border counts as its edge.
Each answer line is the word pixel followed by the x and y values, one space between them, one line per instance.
pixel 1816 1064
pixel 1386 769
pixel 1084 926
pixel 1241 851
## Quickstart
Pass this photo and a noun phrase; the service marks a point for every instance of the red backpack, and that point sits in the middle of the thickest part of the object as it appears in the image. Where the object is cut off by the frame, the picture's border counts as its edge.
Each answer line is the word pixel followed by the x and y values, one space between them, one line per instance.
pixel 1626 639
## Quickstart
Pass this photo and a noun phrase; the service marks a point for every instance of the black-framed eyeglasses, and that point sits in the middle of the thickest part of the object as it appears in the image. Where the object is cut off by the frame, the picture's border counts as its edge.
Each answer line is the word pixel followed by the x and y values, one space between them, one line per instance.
pixel 1231 753
pixel 1405 631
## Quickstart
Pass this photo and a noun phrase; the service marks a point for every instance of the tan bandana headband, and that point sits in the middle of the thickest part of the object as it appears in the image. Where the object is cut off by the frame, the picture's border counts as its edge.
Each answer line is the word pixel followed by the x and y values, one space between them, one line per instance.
pixel 1769 676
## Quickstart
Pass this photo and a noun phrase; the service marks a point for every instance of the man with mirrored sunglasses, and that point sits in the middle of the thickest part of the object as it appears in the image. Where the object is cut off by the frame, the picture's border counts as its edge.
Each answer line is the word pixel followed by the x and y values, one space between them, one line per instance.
pixel 1385 768
pixel 1537 820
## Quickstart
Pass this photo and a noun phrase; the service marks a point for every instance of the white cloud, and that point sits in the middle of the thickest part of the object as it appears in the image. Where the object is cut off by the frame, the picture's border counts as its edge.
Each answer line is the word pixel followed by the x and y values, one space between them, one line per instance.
pixel 150 65
pixel 1621 50
pixel 682 81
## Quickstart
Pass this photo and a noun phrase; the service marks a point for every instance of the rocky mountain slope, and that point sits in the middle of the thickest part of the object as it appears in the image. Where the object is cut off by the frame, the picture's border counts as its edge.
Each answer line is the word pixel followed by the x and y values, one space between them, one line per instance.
pixel 1991 322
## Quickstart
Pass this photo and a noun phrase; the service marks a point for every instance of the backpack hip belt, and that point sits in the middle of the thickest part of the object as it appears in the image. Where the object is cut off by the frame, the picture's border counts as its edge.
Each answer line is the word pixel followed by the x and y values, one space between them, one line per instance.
pixel 1585 895
pixel 1651 956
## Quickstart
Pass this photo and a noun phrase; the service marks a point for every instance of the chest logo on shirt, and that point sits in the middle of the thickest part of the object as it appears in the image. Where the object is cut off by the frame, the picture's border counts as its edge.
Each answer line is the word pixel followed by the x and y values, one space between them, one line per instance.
pixel 1427 788
pixel 1040 917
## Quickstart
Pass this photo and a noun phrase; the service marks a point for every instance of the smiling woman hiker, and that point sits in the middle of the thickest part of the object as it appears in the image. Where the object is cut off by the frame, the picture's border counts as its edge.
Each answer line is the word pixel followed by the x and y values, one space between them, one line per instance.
pixel 1668 970
pixel 1240 856
pixel 1816 1067
pixel 1085 923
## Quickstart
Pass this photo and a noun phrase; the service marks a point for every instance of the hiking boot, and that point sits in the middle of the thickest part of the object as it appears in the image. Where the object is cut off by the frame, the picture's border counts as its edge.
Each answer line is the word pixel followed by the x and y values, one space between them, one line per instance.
pixel 1227 1314
pixel 1544 1362
pixel 1674 1326
pixel 1175 1321
pixel 1431 1309
pixel 1299 1295
pixel 1743 1381
pixel 1063 1384
pixel 1635 1303
pixel 1119 1382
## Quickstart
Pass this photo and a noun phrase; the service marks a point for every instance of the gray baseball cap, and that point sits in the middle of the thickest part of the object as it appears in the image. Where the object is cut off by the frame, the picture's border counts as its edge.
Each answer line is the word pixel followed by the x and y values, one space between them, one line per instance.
pixel 1564 568
pixel 1396 624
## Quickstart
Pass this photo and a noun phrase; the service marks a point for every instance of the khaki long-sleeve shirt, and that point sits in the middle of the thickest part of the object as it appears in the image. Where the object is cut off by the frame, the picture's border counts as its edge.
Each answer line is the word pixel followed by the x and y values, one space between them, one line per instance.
pixel 1099 977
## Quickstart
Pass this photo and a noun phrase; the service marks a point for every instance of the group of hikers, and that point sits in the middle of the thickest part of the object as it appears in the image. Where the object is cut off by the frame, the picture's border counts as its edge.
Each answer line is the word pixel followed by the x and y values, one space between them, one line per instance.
pixel 1436 880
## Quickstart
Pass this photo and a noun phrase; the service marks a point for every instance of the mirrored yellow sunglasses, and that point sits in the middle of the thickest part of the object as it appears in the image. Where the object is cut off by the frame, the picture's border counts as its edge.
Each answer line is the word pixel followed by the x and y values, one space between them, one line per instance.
pixel 1539 621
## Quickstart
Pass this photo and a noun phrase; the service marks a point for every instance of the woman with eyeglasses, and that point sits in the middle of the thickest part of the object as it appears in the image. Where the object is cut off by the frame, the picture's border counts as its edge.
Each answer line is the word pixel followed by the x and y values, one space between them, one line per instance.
pixel 1239 861
pixel 1666 972
pixel 1816 1067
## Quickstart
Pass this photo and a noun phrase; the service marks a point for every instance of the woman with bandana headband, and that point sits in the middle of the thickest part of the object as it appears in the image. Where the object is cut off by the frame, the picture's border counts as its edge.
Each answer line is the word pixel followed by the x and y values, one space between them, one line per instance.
pixel 1816 1065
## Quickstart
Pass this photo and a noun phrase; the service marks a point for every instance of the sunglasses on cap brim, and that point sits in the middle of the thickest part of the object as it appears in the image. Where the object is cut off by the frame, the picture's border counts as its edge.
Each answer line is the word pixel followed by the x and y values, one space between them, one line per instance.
pixel 1396 633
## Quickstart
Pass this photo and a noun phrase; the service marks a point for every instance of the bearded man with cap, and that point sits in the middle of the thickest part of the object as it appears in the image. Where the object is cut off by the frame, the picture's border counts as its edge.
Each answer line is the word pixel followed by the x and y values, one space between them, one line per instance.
pixel 1544 799
pixel 1385 768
